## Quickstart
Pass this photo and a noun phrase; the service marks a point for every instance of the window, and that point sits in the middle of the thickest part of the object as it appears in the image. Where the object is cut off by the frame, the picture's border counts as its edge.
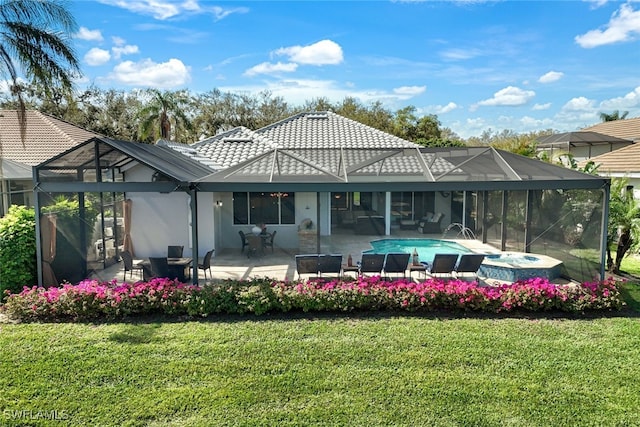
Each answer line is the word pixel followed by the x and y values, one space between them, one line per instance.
pixel 264 208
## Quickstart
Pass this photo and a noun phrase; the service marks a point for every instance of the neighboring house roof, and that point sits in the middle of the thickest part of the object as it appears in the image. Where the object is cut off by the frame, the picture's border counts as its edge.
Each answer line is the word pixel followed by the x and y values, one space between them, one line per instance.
pixel 623 161
pixel 580 138
pixel 46 136
pixel 328 130
pixel 625 128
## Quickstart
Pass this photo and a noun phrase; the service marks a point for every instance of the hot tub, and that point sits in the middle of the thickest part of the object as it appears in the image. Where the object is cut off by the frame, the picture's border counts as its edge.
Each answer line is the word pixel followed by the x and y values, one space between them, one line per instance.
pixel 514 266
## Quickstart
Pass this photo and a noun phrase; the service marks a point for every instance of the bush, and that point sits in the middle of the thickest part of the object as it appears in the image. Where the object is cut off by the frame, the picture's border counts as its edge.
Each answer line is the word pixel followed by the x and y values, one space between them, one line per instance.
pixel 91 300
pixel 17 249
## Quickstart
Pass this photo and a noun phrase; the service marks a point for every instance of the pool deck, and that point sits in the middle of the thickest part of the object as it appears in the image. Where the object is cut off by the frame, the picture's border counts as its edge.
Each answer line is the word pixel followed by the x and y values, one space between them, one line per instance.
pixel 230 263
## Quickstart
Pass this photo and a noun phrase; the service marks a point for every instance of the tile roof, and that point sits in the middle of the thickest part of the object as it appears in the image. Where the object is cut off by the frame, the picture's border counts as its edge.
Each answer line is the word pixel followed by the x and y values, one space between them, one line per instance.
pixel 625 160
pixel 232 147
pixel 312 130
pixel 626 128
pixel 46 137
pixel 328 130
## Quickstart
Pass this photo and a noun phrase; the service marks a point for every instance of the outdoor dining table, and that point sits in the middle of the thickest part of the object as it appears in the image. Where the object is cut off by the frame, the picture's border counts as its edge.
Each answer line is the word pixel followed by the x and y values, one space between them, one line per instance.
pixel 178 267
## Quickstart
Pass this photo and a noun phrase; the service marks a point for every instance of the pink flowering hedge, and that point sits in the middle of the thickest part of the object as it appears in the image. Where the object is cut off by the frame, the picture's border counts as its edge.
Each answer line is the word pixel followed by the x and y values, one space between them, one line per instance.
pixel 90 299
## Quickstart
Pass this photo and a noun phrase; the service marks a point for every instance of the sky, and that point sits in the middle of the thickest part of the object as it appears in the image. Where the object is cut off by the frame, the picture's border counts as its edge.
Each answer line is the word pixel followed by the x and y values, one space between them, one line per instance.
pixel 479 66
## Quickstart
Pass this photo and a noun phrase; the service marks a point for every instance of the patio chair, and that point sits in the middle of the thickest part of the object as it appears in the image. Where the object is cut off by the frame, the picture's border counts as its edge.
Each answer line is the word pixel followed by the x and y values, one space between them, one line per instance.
pixel 469 264
pixel 243 239
pixel 254 246
pixel 174 251
pixel 330 264
pixel 371 263
pixel 206 264
pixel 129 264
pixel 396 263
pixel 307 264
pixel 268 241
pixel 160 267
pixel 443 264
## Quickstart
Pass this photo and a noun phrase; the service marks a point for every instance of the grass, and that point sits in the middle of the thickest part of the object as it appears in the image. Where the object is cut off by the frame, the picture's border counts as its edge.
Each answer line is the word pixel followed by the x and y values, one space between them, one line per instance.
pixel 327 370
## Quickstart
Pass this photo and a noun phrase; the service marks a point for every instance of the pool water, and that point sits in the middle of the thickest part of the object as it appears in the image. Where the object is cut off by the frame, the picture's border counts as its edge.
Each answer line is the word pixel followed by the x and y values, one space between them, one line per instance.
pixel 427 248
pixel 516 259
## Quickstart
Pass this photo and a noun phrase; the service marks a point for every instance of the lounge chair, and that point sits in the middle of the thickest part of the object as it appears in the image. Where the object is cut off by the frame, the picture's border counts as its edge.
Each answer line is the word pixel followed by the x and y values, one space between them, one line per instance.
pixel 206 264
pixel 443 264
pixel 330 264
pixel 307 264
pixel 431 225
pixel 396 263
pixel 469 264
pixel 372 263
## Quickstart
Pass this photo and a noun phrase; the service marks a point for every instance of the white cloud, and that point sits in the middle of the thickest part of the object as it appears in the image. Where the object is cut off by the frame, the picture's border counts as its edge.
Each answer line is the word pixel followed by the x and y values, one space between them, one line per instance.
pixel 442 109
pixel 299 91
pixel 270 68
pixel 460 54
pixel 118 41
pixel 90 35
pixel 540 107
pixel 128 49
pixel 409 90
pixel 595 4
pixel 511 96
pixel 166 75
pixel 166 9
pixel 624 25
pixel 579 104
pixel 324 52
pixel 96 56
pixel 631 99
pixel 551 76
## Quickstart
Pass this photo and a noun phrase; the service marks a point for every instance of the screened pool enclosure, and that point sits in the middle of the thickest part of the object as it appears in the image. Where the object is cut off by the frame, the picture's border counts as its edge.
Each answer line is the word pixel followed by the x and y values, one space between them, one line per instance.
pixel 142 197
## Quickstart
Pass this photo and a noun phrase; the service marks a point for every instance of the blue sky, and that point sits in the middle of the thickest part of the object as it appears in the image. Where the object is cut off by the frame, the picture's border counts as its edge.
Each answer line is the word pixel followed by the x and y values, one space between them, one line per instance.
pixel 477 65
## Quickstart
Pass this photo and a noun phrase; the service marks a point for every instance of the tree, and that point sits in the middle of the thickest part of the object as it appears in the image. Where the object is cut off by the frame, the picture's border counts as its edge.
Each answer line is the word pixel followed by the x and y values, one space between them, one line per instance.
pixel 35 39
pixel 164 111
pixel 624 222
pixel 613 116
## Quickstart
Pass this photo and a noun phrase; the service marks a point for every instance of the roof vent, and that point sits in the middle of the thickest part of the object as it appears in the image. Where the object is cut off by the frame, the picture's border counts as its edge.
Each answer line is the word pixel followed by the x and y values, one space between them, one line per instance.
pixel 317 116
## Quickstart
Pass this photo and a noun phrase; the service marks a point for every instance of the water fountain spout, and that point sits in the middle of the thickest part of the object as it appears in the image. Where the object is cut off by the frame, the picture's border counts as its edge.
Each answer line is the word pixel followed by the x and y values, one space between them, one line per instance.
pixel 464 232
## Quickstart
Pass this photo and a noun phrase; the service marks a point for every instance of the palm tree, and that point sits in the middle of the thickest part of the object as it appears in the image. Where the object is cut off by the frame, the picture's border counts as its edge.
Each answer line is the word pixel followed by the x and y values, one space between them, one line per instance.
pixel 34 40
pixel 624 222
pixel 155 116
pixel 613 116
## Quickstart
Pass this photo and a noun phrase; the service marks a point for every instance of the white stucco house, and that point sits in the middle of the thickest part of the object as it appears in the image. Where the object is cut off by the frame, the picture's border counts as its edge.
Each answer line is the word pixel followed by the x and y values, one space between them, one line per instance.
pixel 344 176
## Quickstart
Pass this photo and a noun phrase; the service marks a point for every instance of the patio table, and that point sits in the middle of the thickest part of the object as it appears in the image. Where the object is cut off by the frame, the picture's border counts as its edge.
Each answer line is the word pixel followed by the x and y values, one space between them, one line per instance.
pixel 178 267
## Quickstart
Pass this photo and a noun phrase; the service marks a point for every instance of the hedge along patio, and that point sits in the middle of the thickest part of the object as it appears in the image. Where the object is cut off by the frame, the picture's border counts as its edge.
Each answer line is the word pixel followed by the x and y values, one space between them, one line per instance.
pixel 187 195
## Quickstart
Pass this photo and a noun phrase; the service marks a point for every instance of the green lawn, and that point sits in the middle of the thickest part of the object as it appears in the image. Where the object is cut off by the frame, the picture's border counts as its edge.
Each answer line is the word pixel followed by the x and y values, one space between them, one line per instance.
pixel 325 370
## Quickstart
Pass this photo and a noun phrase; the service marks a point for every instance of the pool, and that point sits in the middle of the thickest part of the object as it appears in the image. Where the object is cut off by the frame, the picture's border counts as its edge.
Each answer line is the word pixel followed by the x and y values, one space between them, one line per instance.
pixel 506 266
pixel 427 248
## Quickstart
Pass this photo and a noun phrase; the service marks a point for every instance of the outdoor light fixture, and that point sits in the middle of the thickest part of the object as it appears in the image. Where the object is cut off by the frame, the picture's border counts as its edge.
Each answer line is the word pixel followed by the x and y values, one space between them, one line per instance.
pixel 218 203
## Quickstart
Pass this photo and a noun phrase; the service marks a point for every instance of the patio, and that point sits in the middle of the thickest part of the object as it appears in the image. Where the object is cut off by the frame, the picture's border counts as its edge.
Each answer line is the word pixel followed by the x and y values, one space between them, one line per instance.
pixel 230 263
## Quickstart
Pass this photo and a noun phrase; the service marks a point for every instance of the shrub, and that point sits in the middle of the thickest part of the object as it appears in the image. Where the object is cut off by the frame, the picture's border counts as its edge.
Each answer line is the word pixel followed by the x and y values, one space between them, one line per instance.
pixel 17 249
pixel 93 300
